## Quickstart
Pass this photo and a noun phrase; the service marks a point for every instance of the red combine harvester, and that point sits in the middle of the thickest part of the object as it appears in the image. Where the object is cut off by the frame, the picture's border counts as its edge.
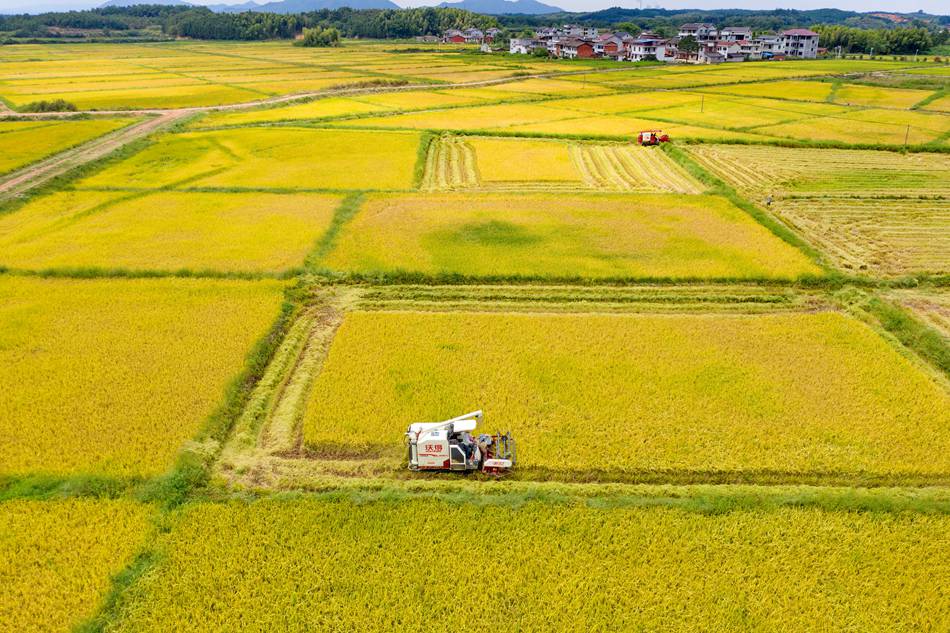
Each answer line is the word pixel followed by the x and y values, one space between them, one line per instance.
pixel 652 137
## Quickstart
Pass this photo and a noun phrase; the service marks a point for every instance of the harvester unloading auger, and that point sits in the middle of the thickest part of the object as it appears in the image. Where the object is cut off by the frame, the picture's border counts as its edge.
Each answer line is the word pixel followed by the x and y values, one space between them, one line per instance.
pixel 450 445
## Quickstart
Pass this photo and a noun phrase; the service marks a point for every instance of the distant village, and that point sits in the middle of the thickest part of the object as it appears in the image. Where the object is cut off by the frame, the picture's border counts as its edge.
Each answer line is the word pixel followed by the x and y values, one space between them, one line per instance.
pixel 711 45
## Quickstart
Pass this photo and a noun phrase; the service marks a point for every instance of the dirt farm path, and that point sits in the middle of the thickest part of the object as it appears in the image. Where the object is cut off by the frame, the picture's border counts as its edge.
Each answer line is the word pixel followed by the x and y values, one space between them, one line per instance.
pixel 32 176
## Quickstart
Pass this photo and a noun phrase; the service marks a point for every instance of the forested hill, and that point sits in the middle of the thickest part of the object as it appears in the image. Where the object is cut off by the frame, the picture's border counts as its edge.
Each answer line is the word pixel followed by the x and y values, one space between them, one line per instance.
pixel 769 20
pixel 202 23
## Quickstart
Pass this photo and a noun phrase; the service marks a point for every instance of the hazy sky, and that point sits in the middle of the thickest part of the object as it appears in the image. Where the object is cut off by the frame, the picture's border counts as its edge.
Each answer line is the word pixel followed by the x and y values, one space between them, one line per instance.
pixel 930 6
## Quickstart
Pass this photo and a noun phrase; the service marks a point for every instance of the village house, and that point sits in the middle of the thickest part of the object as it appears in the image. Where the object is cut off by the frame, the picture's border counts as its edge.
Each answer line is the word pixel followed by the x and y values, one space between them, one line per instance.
pixel 800 43
pixel 650 46
pixel 735 33
pixel 453 36
pixel 735 44
pixel 575 48
pixel 608 45
pixel 524 46
pixel 467 36
pixel 701 31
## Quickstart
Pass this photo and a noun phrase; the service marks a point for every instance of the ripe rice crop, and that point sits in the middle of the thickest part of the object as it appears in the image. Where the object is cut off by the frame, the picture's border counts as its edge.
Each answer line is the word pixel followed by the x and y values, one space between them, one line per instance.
pixel 826 172
pixel 312 564
pixel 793 90
pixel 560 236
pixel 250 232
pixel 110 377
pixel 885 127
pixel 57 558
pixel 24 142
pixel 503 160
pixel 887 237
pixel 879 96
pixel 797 394
pixel 473 118
pixel 318 109
pixel 261 158
pixel 628 126
pixel 939 105
pixel 732 112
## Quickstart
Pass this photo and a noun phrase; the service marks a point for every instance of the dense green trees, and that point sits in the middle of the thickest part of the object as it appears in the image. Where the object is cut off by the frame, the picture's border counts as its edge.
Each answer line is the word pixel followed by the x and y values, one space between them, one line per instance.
pixel 320 37
pixel 882 41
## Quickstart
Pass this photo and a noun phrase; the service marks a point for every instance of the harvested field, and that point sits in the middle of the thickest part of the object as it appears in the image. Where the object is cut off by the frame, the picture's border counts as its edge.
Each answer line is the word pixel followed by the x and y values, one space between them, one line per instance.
pixel 268 158
pixel 110 377
pixel 57 558
pixel 785 171
pixel 632 168
pixel 932 307
pixel 450 165
pixel 561 236
pixel 881 237
pixel 249 232
pixel 245 566
pixel 25 142
pixel 694 393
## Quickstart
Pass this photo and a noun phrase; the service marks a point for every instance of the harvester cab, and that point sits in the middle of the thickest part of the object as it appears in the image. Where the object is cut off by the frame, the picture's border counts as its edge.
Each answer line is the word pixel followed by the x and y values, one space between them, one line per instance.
pixel 652 137
pixel 450 445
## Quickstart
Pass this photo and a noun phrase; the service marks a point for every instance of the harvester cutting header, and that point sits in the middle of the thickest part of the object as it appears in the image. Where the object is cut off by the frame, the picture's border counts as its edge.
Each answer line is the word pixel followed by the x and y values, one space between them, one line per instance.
pixel 450 445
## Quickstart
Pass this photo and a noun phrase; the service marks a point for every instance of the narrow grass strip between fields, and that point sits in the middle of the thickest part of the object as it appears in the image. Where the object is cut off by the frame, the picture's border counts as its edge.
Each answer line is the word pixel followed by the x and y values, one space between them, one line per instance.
pixel 922 339
pixel 344 213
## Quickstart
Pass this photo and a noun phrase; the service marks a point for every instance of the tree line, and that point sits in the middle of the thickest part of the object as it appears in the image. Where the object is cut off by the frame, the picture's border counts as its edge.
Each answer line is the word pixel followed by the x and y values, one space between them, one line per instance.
pixel 899 41
pixel 202 23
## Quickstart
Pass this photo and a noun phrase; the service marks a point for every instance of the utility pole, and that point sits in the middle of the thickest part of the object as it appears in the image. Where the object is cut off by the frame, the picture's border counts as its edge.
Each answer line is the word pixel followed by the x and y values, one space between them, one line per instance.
pixel 915 54
pixel 906 135
pixel 702 102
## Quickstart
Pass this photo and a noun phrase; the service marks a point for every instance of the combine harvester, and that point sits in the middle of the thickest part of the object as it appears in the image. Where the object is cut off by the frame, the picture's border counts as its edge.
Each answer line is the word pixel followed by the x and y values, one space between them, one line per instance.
pixel 652 137
pixel 449 445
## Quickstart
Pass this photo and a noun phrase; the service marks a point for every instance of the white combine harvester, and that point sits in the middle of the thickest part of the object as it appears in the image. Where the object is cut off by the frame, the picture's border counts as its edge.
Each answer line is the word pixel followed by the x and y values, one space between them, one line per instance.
pixel 450 445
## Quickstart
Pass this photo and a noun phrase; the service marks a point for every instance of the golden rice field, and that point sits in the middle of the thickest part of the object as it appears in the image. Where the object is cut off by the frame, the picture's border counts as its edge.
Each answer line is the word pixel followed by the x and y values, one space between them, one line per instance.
pixel 879 96
pixel 782 171
pixel 282 158
pixel 111 376
pixel 339 565
pixel 25 142
pixel 213 340
pixel 639 393
pixel 561 236
pixel 57 558
pixel 870 126
pixel 792 90
pixel 721 111
pixel 166 230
